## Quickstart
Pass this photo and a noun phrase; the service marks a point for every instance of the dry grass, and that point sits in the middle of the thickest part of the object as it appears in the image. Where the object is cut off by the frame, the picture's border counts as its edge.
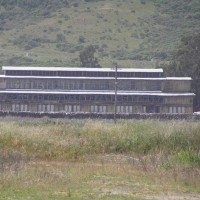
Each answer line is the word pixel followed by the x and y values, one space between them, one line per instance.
pixel 91 159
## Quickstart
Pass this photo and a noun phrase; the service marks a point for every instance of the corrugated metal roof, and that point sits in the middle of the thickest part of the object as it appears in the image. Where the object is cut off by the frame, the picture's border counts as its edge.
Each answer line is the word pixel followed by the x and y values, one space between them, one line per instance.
pixel 139 93
pixel 98 78
pixel 79 69
pixel 179 78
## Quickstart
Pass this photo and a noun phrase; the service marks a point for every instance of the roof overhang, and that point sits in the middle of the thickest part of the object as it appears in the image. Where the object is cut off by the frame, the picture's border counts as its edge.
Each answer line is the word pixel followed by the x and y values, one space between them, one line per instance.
pixel 137 93
pixel 16 68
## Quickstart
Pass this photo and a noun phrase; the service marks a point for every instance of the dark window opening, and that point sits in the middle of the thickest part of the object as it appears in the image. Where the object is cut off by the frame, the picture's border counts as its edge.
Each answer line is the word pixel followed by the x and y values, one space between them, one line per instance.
pixel 152 109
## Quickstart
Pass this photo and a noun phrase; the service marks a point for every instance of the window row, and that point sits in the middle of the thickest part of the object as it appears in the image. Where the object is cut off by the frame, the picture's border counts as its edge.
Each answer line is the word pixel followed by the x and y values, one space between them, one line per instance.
pixel 176 110
pixel 83 97
pixel 69 108
pixel 74 108
pixel 82 85
pixel 104 109
pixel 81 73
pixel 98 109
pixel 61 84
pixel 124 109
pixel 19 107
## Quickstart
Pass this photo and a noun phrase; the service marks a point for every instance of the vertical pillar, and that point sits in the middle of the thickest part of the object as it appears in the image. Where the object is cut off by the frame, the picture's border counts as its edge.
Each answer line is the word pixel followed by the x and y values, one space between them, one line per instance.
pixel 115 104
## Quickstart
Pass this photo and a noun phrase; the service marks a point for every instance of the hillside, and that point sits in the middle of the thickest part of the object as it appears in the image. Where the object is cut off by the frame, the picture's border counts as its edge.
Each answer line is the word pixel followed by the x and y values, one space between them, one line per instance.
pixel 137 33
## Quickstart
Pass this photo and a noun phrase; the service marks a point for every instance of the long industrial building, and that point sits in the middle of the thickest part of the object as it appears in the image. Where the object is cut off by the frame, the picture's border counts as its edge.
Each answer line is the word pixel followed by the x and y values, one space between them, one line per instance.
pixel 55 89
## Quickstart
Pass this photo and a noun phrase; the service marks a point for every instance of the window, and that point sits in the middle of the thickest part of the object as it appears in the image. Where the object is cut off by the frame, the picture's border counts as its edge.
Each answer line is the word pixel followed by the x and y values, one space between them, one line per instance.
pixel 19 107
pixel 49 108
pixel 50 84
pixel 176 110
pixel 41 108
pixel 129 109
pixel 99 109
pixel 13 107
pixel 68 108
pixel 94 108
pixel 17 84
pixel 76 108
pixel 40 84
pixel 151 109
pixel 23 107
pixel 8 84
pixel 72 108
pixel 45 108
pixel 132 85
pixel 102 109
pixel 124 109
pixel 26 84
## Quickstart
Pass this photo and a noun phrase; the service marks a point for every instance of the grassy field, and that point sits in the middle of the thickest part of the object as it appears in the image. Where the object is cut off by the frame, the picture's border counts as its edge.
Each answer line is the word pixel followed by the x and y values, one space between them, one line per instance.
pixel 95 159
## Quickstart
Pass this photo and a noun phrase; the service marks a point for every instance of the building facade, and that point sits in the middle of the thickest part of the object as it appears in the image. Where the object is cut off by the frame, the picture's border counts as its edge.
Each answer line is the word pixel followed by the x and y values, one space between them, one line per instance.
pixel 54 89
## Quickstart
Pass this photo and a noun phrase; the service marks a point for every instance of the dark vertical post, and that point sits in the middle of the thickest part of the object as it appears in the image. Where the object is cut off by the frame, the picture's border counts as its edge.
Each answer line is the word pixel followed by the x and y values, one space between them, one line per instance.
pixel 115 104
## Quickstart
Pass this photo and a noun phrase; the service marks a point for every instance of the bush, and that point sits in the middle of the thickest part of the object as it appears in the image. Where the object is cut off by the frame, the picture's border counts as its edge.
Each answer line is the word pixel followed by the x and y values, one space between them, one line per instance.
pixel 143 1
pixel 187 157
pixel 60 38
pixel 81 39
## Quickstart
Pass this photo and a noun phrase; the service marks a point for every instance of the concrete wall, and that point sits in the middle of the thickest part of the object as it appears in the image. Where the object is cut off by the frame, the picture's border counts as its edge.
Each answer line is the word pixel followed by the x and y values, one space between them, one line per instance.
pixel 2 83
pixel 181 100
pixel 177 86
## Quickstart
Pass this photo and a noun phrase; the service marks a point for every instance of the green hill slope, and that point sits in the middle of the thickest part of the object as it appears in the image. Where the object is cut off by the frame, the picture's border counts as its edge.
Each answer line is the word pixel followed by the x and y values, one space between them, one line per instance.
pixel 131 32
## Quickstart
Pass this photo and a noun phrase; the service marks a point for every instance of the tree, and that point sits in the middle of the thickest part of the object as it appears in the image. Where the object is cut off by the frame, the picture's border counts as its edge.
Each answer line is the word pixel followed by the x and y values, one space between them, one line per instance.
pixel 87 58
pixel 186 62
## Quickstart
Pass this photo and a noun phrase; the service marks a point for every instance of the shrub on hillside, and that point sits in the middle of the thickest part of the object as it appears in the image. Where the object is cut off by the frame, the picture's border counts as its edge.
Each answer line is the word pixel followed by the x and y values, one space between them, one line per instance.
pixel 32 4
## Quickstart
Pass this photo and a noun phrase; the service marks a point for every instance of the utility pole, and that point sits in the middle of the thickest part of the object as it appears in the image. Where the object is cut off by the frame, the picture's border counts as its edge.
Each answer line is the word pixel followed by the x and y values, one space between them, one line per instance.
pixel 115 104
